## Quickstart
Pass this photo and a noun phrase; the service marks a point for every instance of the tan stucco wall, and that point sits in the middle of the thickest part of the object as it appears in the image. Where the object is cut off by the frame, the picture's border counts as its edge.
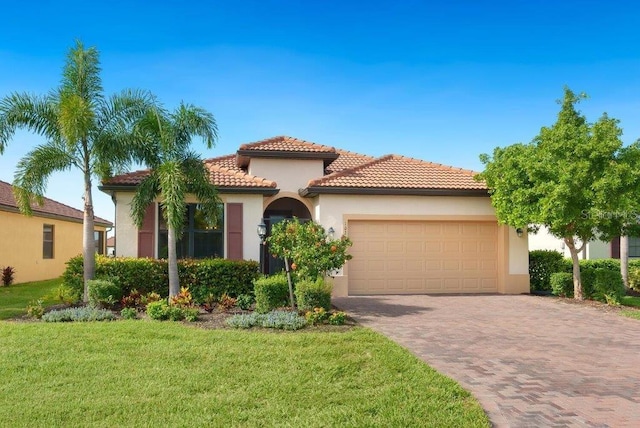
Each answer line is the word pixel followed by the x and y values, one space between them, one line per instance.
pixel 127 233
pixel 336 210
pixel 21 245
pixel 289 174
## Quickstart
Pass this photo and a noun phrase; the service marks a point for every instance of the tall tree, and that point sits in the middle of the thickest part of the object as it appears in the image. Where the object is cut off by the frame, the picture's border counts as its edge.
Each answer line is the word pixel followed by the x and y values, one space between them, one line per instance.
pixel 175 172
pixel 82 129
pixel 576 178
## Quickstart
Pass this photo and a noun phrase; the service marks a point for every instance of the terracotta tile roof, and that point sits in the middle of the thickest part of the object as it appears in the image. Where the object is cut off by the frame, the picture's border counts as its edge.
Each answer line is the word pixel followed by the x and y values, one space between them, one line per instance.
pixel 347 160
pixel 130 178
pixel 283 143
pixel 345 170
pixel 225 173
pixel 111 242
pixel 48 208
pixel 399 172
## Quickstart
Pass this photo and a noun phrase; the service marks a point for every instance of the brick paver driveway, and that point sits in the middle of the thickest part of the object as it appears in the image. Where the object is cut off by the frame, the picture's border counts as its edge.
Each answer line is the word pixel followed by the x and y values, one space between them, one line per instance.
pixel 530 361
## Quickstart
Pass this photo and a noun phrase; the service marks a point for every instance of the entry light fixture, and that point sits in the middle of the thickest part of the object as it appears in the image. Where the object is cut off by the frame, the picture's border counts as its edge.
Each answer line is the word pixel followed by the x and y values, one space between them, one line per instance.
pixel 519 232
pixel 262 231
pixel 331 232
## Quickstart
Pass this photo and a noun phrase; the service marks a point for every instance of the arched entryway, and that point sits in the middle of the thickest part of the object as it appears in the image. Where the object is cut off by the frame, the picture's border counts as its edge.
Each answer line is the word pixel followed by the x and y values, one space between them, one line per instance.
pixel 277 211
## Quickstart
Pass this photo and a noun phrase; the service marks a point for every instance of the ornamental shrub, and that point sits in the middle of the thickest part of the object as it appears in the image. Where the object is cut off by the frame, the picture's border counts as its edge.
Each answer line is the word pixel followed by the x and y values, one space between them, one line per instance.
pixel 271 292
pixel 634 277
pixel 337 318
pixel 84 313
pixel 283 320
pixel 7 275
pixel 158 310
pixel 244 301
pixel 542 264
pixel 129 313
pixel 562 284
pixel 103 293
pixel 35 309
pixel 313 294
pixel 608 286
pixel 216 276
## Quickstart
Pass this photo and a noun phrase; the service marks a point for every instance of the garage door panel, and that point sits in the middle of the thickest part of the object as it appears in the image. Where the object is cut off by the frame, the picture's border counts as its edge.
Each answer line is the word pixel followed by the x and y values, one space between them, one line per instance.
pixel 395 257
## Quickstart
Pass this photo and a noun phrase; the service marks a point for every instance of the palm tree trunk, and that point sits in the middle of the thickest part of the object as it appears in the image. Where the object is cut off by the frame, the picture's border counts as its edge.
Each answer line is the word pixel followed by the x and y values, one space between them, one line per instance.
pixel 88 239
pixel 624 260
pixel 174 281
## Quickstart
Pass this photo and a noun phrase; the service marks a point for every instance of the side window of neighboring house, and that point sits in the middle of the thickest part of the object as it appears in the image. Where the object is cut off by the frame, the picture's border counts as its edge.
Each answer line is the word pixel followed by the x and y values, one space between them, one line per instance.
pixel 98 237
pixel 634 246
pixel 47 241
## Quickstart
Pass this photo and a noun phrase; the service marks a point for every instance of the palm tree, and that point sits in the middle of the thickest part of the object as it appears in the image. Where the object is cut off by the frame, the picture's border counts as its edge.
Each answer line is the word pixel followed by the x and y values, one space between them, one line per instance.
pixel 175 172
pixel 83 129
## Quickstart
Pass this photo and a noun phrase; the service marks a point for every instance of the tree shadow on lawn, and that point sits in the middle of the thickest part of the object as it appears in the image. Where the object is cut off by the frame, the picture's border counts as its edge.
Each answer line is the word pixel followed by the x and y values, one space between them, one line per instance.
pixel 377 306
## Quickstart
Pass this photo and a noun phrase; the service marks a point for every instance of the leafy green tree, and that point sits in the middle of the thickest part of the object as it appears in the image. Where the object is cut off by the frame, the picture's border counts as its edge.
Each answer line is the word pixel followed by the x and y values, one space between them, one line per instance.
pixel 176 171
pixel 575 178
pixel 82 129
pixel 307 250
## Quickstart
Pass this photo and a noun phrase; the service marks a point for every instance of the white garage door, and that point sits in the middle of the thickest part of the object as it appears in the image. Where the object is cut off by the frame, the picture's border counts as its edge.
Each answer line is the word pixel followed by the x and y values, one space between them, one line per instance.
pixel 413 257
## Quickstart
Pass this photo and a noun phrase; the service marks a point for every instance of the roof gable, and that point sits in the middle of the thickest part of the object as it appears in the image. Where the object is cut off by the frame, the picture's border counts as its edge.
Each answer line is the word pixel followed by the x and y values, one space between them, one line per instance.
pixel 285 147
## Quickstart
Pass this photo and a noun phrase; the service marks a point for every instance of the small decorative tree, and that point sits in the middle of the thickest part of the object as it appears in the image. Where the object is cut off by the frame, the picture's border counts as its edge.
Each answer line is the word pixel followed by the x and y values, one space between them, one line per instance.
pixel 307 250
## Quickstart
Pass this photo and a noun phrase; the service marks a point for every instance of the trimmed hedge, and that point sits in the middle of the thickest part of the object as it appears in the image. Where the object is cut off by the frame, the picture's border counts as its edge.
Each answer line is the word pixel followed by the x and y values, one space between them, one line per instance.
pixel 608 286
pixel 542 264
pixel 562 284
pixel 271 292
pixel 216 276
pixel 313 294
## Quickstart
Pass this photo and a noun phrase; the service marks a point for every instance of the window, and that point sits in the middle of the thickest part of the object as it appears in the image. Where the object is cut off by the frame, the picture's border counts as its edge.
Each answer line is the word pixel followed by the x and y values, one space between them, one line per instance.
pixel 98 237
pixel 47 241
pixel 634 246
pixel 198 240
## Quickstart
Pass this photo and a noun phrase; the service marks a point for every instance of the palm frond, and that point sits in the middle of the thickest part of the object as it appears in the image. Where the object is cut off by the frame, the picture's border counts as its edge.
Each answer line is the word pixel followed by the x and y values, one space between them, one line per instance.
pixel 190 120
pixel 146 193
pixel 173 183
pixel 200 185
pixel 33 172
pixel 34 113
pixel 81 74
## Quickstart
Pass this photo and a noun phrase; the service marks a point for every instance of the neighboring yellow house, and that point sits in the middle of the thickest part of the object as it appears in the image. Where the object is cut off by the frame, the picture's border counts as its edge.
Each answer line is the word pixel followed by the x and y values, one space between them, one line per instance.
pixel 38 247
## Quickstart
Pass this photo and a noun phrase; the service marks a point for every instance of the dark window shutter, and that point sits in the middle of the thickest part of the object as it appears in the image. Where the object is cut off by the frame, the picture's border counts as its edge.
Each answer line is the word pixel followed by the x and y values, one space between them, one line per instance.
pixel 615 248
pixel 146 232
pixel 234 231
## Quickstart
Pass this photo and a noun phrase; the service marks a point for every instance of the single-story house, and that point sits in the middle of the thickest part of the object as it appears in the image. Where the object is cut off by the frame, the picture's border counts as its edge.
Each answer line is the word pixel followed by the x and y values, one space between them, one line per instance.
pixel 417 227
pixel 38 247
pixel 597 249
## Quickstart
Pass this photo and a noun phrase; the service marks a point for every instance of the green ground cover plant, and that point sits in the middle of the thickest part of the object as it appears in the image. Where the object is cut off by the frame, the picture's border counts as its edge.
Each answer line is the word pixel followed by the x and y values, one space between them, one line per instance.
pixel 139 373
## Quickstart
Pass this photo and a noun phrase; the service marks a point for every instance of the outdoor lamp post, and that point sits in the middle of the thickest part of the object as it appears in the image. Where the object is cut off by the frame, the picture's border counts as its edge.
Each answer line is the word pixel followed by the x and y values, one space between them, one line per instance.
pixel 262 233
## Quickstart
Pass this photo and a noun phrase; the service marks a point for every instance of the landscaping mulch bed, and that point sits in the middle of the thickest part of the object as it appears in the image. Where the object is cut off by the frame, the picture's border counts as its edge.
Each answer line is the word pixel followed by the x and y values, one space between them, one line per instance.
pixel 214 320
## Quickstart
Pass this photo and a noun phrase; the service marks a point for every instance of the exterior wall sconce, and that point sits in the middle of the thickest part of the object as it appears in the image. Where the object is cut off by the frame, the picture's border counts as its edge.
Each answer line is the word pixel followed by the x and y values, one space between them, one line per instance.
pixel 331 232
pixel 519 232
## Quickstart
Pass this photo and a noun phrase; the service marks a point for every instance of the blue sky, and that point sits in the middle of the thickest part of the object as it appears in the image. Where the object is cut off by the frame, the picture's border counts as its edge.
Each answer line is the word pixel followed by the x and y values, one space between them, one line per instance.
pixel 440 81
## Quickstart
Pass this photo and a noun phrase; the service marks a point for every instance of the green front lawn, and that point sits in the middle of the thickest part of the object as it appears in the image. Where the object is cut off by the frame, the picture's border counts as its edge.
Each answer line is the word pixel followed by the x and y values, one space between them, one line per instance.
pixel 15 298
pixel 144 373
pixel 631 301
